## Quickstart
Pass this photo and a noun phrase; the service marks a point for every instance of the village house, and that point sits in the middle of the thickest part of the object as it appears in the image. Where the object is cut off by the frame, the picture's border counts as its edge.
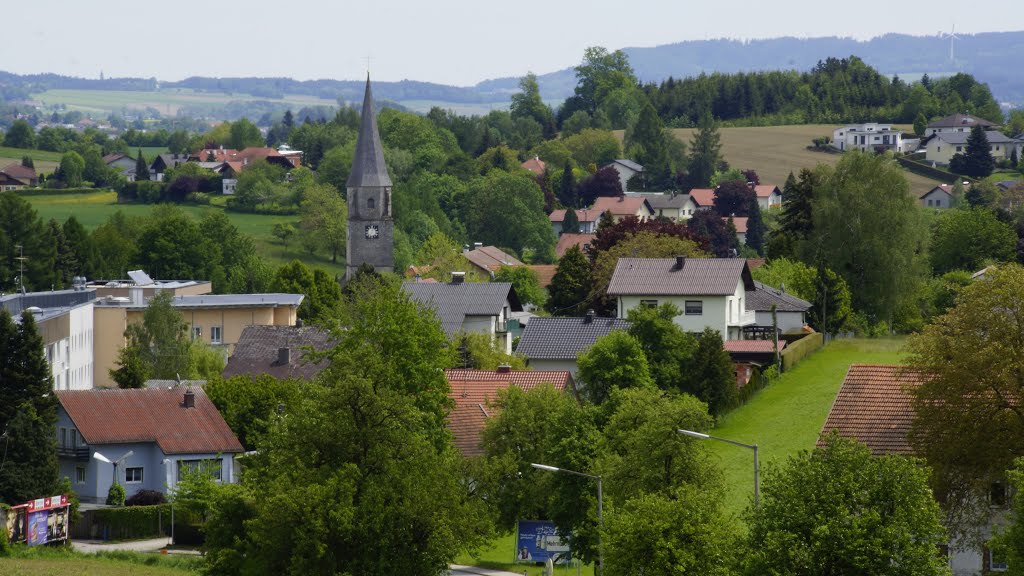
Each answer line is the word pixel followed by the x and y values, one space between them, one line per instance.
pixel 867 137
pixel 957 123
pixel 675 207
pixel 470 307
pixel 740 223
pixel 790 311
pixel 768 196
pixel 156 436
pixel 940 196
pixel 626 170
pixel 554 343
pixel 488 259
pixel 942 146
pixel 567 241
pixel 535 165
pixel 709 292
pixel 588 220
pixel 279 351
pixel 702 198
pixel 15 177
pixel 623 206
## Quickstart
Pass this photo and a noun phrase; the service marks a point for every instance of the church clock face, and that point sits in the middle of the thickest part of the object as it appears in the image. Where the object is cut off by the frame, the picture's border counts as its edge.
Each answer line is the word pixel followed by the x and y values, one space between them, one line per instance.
pixel 372 232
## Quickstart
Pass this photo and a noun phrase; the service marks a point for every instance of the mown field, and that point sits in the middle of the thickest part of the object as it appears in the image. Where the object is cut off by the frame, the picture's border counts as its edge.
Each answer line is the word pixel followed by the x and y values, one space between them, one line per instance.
pixel 787 416
pixel 94 209
pixel 44 161
pixel 45 561
pixel 167 102
pixel 775 151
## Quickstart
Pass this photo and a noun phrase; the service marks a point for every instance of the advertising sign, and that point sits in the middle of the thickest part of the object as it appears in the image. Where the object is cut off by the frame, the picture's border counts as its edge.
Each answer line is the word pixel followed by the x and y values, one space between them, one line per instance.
pixel 538 540
pixel 38 529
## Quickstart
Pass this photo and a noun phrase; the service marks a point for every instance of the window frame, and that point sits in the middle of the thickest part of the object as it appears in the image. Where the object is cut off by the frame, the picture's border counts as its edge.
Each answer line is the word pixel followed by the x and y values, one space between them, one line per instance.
pixel 215 466
pixel 648 303
pixel 216 334
pixel 141 471
pixel 687 311
pixel 81 474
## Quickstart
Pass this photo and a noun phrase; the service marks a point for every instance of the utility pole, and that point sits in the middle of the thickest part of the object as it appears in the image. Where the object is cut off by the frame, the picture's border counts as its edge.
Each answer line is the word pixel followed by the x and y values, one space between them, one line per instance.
pixel 21 267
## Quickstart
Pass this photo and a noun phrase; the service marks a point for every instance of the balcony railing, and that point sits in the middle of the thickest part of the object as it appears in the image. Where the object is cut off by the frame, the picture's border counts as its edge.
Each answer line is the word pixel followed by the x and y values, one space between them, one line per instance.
pixel 77 452
pixel 501 326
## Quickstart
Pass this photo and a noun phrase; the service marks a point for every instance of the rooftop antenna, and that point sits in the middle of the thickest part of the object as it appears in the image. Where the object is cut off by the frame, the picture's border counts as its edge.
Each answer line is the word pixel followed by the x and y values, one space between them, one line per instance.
pixel 368 59
pixel 21 267
pixel 952 36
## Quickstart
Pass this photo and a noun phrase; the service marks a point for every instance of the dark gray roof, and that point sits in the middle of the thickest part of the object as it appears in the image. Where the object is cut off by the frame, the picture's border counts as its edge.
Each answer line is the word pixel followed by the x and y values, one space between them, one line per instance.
pixel 994 137
pixel 564 338
pixel 763 296
pixel 941 188
pixel 661 201
pixel 1007 184
pixel 958 120
pixel 257 352
pixel 663 277
pixel 368 167
pixel 454 301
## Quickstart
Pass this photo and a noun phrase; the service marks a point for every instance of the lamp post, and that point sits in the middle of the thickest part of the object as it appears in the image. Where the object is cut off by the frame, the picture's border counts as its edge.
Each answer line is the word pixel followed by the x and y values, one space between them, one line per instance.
pixel 167 462
pixel 600 515
pixel 703 436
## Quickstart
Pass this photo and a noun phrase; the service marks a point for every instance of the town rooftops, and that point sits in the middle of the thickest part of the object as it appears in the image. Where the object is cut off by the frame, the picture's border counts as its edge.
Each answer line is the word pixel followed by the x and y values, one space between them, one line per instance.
pixel 453 301
pixel 566 241
pixel 763 297
pixel 874 407
pixel 679 277
pixel 490 258
pixel 545 272
pixel 547 338
pixel 703 197
pixel 960 120
pixel 583 215
pixel 115 157
pixel 993 136
pixel 621 205
pixel 160 415
pixel 225 301
pixel 278 351
pixel 20 172
pixel 474 391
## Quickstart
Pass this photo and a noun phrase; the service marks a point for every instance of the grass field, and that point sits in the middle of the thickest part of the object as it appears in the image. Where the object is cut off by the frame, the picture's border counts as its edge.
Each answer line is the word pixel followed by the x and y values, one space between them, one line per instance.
pixel 94 209
pixel 44 161
pixel 499 557
pixel 60 562
pixel 168 102
pixel 787 416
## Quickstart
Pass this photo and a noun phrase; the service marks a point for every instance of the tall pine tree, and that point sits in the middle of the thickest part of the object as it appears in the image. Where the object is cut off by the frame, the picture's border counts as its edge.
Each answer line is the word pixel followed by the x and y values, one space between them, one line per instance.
pixel 705 153
pixel 141 167
pixel 570 285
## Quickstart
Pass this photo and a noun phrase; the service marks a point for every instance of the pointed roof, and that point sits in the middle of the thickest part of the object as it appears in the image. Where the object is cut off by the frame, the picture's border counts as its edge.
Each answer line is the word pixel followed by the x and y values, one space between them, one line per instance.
pixel 368 168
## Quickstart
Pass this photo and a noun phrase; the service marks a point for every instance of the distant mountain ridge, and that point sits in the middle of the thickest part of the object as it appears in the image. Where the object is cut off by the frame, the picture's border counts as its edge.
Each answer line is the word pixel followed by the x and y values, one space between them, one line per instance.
pixel 989 57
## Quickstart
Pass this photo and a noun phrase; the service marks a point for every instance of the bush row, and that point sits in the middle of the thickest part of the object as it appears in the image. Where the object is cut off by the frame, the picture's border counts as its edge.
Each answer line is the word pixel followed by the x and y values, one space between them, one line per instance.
pixel 797 351
pixel 57 191
pixel 923 169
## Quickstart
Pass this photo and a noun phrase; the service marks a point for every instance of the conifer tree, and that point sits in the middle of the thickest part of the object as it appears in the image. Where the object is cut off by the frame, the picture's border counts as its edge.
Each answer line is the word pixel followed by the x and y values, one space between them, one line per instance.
pixel 570 285
pixel 650 140
pixel 712 377
pixel 141 167
pixel 705 153
pixel 27 162
pixel 567 192
pixel 571 222
pixel 920 124
pixel 755 228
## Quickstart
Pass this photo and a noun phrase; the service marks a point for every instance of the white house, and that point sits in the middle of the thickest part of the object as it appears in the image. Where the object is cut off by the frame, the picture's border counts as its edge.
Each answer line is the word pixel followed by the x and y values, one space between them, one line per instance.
pixel 675 207
pixel 790 311
pixel 866 137
pixel 710 292
pixel 480 307
pixel 626 169
pixel 939 197
pixel 588 220
pixel 64 320
pixel 768 196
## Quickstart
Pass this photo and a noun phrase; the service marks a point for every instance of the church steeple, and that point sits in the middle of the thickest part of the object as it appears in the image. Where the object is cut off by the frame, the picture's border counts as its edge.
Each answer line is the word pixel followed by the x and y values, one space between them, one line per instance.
pixel 368 168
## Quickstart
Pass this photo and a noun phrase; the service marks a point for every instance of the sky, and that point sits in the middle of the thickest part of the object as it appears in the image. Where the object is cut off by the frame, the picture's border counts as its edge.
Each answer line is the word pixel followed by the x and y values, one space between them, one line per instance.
pixel 457 42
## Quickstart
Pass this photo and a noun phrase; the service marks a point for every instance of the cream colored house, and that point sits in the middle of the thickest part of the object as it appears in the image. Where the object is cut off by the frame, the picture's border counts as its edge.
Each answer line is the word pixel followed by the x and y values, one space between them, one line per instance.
pixel 710 292
pixel 768 196
pixel 942 146
pixel 675 207
pixel 216 319
pixel 623 206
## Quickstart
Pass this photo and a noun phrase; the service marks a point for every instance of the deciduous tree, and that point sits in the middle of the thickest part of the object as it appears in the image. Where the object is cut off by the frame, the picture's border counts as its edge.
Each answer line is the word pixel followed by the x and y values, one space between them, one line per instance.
pixel 967 239
pixel 669 350
pixel 614 361
pixel 525 282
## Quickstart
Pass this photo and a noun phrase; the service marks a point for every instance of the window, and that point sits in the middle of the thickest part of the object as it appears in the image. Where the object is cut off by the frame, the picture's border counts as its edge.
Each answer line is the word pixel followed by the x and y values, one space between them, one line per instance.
pixel 959 148
pixel 197 332
pixel 938 148
pixel 215 334
pixel 929 202
pixel 649 303
pixel 371 203
pixel 63 437
pixel 79 474
pixel 997 494
pixel 133 475
pixel 694 307
pixel 996 563
pixel 211 467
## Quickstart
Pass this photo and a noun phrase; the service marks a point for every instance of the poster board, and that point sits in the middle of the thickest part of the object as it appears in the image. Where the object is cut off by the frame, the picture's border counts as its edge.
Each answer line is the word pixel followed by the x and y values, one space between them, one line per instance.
pixel 538 540
pixel 39 521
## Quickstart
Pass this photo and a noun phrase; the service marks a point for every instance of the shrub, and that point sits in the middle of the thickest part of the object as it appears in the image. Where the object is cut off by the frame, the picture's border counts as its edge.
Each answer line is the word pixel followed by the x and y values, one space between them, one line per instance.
pixel 797 351
pixel 115 496
pixel 133 521
pixel 146 498
pixel 197 198
pixel 5 545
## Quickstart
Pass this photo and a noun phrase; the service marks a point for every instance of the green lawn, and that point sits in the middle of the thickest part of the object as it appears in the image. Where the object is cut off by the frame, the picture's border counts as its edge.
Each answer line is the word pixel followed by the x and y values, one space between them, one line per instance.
pixel 499 557
pixel 94 209
pixel 44 161
pixel 787 416
pixel 62 562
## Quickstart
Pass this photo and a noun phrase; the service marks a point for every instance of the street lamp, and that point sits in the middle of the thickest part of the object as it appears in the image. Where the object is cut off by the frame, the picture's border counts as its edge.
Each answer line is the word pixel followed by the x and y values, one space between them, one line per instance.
pixel 703 436
pixel 167 462
pixel 600 516
pixel 103 458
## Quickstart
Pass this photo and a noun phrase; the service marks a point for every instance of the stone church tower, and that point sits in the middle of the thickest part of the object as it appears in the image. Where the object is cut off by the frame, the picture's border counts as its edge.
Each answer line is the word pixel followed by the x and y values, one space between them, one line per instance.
pixel 371 228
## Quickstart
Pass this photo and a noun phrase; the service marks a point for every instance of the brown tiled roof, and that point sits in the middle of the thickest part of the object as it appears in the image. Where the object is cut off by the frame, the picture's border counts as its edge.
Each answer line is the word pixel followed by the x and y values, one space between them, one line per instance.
pixel 20 172
pixel 703 197
pixel 752 346
pixel 490 258
pixel 115 416
pixel 874 407
pixel 740 222
pixel 583 215
pixel 114 157
pixel 219 154
pixel 258 349
pixel 473 390
pixel 765 190
pixel 566 241
pixel 545 272
pixel 621 205
pixel 755 262
pixel 663 277
pixel 535 165
pixel 959 120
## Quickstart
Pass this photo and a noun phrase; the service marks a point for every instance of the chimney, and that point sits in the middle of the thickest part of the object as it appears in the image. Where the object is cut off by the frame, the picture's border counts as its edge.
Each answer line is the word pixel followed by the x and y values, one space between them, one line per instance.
pixel 680 262
pixel 504 369
pixel 458 277
pixel 478 245
pixel 622 198
pixel 284 356
pixel 190 398
pixel 588 317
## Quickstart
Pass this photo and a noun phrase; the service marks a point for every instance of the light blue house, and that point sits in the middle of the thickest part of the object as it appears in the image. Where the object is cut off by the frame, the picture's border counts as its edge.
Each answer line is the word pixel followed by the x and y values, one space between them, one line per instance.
pixel 165 432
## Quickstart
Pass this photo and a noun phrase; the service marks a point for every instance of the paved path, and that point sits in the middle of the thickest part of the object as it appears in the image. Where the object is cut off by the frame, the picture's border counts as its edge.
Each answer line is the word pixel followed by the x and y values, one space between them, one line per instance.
pixel 93 546
pixel 457 570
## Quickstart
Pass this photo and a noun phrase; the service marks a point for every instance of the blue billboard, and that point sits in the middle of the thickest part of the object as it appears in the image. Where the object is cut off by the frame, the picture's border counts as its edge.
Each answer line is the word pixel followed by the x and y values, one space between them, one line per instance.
pixel 538 540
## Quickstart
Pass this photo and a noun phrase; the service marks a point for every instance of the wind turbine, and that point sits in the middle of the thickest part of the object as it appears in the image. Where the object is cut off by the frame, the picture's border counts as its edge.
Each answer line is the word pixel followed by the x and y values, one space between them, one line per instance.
pixel 952 36
pixel 103 458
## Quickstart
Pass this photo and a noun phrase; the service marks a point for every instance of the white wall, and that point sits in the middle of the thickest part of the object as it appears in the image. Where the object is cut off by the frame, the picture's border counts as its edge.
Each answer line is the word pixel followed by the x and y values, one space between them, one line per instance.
pixel 727 314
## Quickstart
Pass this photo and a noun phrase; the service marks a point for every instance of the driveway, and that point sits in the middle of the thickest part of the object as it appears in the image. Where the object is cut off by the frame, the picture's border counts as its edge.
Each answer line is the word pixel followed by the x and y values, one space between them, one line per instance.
pixel 94 546
pixel 457 570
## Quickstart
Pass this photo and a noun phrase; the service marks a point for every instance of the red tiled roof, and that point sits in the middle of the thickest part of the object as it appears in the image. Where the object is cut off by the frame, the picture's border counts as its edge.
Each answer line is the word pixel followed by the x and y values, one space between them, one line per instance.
pixel 739 221
pixel 620 205
pixel 114 157
pixel 20 172
pixel 752 346
pixel 566 241
pixel 755 262
pixel 150 415
pixel 473 390
pixel 535 165
pixel 703 197
pixel 545 272
pixel 219 154
pixel 765 190
pixel 874 407
pixel 490 258
pixel 583 215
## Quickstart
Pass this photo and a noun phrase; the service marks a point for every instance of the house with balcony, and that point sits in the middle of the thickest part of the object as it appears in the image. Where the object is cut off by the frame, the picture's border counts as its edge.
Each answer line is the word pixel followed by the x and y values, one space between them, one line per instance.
pixel 867 137
pixel 156 436
pixel 481 307
pixel 709 292
pixel 957 123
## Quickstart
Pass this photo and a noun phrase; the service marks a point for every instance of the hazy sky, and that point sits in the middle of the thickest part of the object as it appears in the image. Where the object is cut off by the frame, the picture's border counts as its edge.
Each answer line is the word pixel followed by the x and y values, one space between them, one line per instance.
pixel 448 41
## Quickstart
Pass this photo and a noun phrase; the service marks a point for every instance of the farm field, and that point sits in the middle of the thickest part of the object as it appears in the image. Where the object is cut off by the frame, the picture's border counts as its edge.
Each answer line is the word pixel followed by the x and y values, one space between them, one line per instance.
pixel 168 102
pixel 94 209
pixel 787 416
pixel 44 161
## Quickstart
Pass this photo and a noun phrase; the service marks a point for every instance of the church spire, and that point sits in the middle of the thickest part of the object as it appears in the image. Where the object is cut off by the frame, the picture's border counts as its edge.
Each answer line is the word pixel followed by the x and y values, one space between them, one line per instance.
pixel 368 168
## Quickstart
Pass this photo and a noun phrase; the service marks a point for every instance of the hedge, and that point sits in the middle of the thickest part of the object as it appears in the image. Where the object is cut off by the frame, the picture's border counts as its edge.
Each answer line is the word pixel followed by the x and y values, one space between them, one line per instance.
pixel 927 171
pixel 797 351
pixel 58 191
pixel 132 522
